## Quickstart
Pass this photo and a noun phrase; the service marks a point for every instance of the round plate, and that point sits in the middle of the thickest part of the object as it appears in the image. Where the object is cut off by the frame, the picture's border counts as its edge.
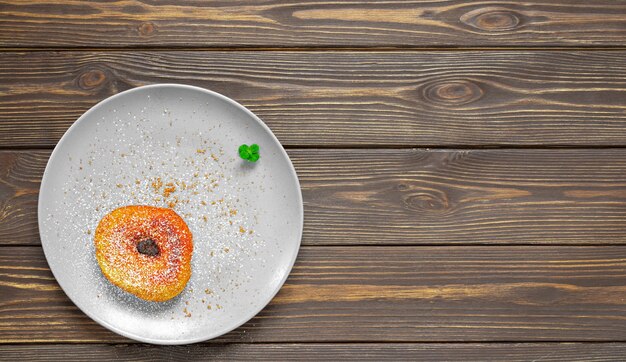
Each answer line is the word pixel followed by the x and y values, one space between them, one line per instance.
pixel 174 146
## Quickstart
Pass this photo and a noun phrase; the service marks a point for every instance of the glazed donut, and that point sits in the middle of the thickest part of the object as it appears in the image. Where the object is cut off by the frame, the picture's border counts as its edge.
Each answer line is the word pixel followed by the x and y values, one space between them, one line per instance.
pixel 145 251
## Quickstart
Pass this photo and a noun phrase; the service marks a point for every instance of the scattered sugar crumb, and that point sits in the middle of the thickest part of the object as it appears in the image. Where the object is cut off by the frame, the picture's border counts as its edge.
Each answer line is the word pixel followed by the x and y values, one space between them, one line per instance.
pixel 156 184
pixel 169 189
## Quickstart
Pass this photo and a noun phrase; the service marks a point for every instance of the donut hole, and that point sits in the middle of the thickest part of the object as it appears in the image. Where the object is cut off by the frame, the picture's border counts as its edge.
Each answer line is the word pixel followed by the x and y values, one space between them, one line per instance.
pixel 148 247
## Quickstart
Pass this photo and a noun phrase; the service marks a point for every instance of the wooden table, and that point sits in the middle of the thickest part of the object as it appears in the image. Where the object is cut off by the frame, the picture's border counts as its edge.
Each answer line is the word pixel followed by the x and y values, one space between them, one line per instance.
pixel 463 166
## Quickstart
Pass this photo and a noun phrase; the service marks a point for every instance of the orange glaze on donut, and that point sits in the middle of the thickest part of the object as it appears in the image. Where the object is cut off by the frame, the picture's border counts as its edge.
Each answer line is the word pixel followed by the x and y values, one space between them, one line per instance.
pixel 151 277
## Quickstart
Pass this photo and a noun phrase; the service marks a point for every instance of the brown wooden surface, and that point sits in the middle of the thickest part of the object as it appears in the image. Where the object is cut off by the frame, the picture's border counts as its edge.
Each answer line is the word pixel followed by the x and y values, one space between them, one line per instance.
pixel 413 197
pixel 395 99
pixel 382 294
pixel 312 23
pixel 441 223
pixel 466 352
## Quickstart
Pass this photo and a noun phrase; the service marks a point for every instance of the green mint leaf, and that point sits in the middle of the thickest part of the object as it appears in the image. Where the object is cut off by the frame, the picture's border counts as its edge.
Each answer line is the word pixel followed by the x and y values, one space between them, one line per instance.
pixel 249 153
pixel 244 151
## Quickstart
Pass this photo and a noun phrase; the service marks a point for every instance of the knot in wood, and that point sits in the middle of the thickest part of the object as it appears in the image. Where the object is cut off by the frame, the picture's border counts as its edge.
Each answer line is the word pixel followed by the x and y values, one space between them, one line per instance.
pixel 146 29
pixel 91 79
pixel 427 202
pixel 453 92
pixel 492 20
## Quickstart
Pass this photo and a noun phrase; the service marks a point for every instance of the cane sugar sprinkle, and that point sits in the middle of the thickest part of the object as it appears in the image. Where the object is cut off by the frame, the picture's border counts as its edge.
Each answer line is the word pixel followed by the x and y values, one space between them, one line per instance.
pixel 137 158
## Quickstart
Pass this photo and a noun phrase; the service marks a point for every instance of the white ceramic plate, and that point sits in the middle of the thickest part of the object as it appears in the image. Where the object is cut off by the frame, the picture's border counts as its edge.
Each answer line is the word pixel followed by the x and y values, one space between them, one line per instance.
pixel 246 218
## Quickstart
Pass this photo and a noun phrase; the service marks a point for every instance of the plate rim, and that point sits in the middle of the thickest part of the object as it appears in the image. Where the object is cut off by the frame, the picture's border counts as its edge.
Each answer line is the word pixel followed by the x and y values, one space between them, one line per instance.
pixel 292 171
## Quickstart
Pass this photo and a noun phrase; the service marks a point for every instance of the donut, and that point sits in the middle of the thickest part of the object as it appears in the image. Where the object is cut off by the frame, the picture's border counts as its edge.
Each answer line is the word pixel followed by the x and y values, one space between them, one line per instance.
pixel 145 251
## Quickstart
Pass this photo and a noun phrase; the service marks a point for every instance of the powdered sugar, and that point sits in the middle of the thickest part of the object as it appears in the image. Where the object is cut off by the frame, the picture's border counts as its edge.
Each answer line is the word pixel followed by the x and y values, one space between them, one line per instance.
pixel 198 183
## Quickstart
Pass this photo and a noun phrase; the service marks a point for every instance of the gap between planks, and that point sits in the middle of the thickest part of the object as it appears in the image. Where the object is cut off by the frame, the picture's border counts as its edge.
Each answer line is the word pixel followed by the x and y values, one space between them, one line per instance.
pixel 311 49
pixel 451 148
pixel 411 246
pixel 313 343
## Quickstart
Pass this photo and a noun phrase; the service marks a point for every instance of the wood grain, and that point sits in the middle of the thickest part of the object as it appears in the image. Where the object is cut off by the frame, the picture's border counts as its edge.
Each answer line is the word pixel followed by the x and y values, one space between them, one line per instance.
pixel 465 352
pixel 314 23
pixel 20 178
pixel 415 197
pixel 531 98
pixel 379 294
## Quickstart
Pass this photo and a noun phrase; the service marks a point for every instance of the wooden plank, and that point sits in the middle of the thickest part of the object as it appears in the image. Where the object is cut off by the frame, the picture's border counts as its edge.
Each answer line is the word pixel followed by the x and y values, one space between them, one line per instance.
pixel 314 23
pixel 465 352
pixel 343 98
pixel 413 197
pixel 20 178
pixel 379 294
